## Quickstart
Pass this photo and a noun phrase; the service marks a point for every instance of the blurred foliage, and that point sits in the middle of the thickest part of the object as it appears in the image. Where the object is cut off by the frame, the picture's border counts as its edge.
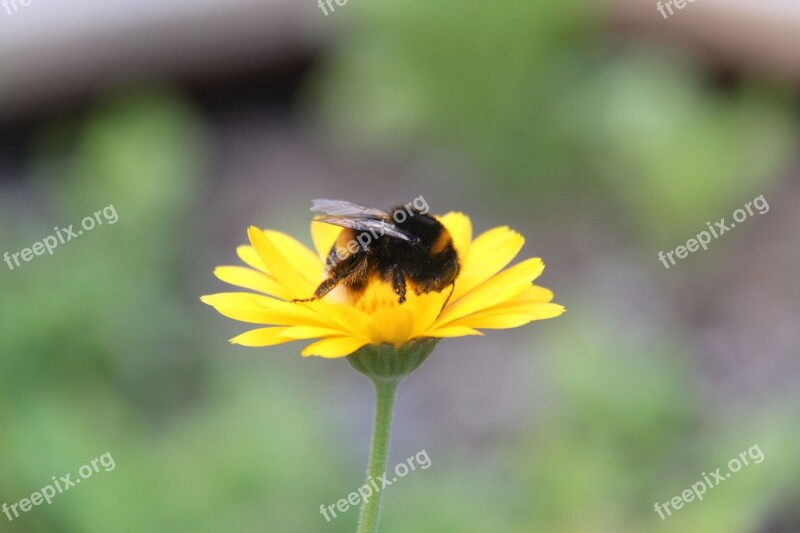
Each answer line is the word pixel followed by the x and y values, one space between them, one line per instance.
pixel 536 96
pixel 99 349
pixel 673 148
pixel 625 427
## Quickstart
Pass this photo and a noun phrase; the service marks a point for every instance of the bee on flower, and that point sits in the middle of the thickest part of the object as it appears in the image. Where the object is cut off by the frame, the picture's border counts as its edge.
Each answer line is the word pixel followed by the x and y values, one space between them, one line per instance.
pixel 352 290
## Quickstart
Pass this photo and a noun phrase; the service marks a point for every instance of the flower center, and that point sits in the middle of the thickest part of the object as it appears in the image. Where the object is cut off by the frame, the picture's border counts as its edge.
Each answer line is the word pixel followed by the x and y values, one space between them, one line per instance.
pixel 377 295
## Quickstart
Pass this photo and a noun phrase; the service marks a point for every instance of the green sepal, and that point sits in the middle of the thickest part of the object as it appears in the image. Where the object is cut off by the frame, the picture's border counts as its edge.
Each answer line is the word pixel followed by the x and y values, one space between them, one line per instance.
pixel 386 362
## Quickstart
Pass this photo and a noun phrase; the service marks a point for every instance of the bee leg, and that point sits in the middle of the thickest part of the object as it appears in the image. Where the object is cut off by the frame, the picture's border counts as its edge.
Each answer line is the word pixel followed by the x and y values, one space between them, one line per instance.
pixel 324 288
pixel 338 273
pixel 398 283
pixel 358 277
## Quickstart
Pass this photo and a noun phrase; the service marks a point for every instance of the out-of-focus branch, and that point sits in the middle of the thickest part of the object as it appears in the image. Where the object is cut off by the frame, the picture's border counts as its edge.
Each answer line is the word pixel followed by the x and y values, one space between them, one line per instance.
pixel 57 50
pixel 758 36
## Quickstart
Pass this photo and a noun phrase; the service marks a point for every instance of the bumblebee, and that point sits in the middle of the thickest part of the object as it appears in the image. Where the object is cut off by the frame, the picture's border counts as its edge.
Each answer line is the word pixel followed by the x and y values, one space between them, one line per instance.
pixel 403 246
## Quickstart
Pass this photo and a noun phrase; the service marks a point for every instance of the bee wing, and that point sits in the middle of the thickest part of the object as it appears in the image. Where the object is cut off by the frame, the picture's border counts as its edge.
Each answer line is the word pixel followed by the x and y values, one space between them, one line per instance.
pixel 340 208
pixel 379 227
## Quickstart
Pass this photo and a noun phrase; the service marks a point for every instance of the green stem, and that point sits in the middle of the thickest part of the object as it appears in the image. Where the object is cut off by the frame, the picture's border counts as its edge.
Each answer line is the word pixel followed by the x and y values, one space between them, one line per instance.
pixel 385 390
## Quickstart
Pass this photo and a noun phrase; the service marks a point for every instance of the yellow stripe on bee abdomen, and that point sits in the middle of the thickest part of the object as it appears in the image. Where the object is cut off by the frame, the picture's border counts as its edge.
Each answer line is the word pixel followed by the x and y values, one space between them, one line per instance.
pixel 441 242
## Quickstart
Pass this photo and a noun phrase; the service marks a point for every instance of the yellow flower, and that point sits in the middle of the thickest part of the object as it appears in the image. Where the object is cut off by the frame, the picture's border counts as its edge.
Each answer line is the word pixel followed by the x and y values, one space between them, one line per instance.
pixel 283 269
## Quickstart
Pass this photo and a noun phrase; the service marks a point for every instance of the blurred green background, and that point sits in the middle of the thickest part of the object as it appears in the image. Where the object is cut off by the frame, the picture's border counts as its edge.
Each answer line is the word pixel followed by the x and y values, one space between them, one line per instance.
pixel 603 145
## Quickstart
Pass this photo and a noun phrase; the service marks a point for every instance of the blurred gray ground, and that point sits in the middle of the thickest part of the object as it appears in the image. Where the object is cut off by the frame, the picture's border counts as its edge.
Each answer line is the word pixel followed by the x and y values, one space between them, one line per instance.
pixel 56 51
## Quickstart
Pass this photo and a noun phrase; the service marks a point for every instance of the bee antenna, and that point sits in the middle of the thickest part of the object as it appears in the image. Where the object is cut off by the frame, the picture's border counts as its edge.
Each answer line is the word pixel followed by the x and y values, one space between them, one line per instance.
pixel 452 290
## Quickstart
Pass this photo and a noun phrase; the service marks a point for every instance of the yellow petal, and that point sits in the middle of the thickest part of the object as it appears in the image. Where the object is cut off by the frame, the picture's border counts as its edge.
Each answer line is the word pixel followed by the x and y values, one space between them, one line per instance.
pixel 510 317
pixel 261 337
pixel 504 286
pixel 250 257
pixel 533 294
pixel 347 318
pixel 304 260
pixel 452 331
pixel 335 347
pixel 344 318
pixel 251 279
pixel 460 227
pixel 425 308
pixel 239 307
pixel 488 255
pixel 259 309
pixel 310 332
pixel 324 235
pixel 279 265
